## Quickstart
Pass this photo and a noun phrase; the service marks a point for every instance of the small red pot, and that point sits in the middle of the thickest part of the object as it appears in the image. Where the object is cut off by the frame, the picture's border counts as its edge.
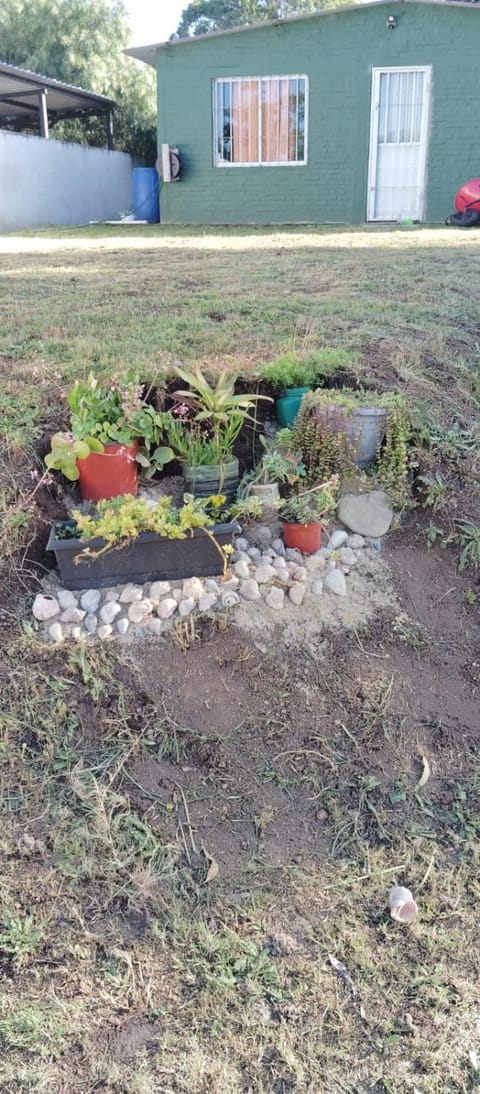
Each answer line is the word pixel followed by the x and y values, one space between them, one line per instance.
pixel 110 473
pixel 306 538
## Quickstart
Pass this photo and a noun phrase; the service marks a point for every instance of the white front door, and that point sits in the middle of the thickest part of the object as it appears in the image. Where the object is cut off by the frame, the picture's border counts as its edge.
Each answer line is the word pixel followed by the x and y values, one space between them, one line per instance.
pixel 398 143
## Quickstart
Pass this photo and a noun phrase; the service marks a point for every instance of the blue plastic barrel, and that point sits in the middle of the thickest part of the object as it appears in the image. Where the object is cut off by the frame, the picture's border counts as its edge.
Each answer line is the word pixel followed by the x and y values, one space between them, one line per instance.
pixel 146 205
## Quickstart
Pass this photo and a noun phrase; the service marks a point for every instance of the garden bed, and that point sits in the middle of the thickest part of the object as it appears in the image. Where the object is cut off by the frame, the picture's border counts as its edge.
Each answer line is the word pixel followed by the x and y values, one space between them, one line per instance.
pixel 148 557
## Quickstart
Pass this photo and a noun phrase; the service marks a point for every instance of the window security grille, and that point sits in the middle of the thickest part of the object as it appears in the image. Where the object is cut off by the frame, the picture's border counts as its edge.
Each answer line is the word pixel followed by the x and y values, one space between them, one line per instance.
pixel 260 120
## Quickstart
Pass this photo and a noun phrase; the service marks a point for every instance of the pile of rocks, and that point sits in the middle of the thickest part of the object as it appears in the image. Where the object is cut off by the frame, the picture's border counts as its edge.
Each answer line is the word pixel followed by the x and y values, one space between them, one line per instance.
pixel 267 572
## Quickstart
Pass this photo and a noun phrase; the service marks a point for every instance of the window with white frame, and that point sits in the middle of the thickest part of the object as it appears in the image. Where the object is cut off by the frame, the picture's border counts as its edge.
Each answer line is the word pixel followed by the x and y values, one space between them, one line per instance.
pixel 260 120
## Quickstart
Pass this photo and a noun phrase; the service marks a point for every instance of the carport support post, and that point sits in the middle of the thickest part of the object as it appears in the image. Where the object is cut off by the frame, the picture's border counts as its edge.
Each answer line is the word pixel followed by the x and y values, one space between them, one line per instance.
pixel 110 130
pixel 42 113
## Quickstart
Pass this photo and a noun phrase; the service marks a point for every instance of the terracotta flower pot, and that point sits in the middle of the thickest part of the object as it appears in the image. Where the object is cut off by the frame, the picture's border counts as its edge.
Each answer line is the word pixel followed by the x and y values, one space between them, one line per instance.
pixel 107 474
pixel 307 538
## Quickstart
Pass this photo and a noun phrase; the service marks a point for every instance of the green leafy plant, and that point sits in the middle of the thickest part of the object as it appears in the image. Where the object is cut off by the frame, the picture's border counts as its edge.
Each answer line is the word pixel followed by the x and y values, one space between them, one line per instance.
pixel 291 369
pixel 310 506
pixel 320 436
pixel 436 491
pixel 102 414
pixel 194 445
pixel 207 419
pixel 217 403
pixel 20 936
pixel 65 450
pixel 121 519
pixel 468 537
pixel 433 533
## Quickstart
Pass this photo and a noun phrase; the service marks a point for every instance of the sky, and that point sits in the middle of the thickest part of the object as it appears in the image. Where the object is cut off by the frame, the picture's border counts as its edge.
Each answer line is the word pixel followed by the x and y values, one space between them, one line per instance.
pixel 153 20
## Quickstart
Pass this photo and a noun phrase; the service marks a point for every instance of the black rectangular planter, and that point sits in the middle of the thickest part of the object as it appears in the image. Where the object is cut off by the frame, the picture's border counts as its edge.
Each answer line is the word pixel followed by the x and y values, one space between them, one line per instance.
pixel 149 557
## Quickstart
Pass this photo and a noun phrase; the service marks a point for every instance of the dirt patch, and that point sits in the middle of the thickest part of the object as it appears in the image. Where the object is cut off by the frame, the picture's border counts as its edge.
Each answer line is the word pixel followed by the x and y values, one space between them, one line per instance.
pixel 264 738
pixel 236 721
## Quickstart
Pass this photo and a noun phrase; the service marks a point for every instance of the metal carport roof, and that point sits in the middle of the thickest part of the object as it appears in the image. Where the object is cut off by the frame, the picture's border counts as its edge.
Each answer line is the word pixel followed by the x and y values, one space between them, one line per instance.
pixel 27 98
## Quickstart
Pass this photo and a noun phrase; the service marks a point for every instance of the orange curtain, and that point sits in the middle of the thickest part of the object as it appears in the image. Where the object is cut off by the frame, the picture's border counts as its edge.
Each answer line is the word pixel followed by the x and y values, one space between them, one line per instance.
pixel 278 135
pixel 245 121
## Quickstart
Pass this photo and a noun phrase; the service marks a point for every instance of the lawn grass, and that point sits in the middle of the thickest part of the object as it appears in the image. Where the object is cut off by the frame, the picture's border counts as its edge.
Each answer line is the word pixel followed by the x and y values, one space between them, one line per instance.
pixel 123 968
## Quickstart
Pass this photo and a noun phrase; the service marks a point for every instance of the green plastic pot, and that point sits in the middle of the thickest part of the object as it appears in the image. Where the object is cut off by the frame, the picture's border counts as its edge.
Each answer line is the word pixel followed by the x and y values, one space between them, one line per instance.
pixel 203 480
pixel 288 405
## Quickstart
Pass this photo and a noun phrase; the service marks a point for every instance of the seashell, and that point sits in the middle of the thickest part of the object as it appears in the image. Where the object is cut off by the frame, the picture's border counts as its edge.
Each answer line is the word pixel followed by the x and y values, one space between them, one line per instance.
pixel 402 906
pixel 230 599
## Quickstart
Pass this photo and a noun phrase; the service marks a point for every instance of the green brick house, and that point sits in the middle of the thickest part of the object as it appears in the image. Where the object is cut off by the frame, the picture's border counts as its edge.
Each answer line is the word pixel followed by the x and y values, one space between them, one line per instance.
pixel 364 113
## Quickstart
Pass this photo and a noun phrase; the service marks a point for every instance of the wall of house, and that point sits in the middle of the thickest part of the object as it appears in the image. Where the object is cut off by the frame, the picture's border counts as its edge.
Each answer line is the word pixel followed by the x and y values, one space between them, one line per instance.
pixel 52 182
pixel 337 52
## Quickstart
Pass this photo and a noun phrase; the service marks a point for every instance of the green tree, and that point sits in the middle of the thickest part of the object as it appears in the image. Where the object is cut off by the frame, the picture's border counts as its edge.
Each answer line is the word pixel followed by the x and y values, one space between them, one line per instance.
pixel 80 42
pixel 202 16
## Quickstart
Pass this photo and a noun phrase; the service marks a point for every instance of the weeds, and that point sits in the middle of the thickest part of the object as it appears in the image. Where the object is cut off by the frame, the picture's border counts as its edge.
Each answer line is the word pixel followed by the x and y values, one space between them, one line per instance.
pixel 468 538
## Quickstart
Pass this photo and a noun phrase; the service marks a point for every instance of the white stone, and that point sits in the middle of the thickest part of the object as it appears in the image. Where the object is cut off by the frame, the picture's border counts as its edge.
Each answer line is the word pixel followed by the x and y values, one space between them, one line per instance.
pixel 263 535
pixel 324 552
pixel 76 632
pixel 249 589
pixel 278 546
pixel 300 573
pixel 241 544
pixel 241 568
pixel 139 610
pixel 335 582
pixel 110 611
pixel 122 626
pixel 72 615
pixel 105 631
pixel 156 626
pixel 297 593
pixel 337 539
pixel 229 599
pixel 275 598
pixel 263 574
pixel 130 595
pixel 315 564
pixel 90 623
pixel 110 594
pixel 282 576
pixel 186 606
pixel 356 542
pixel 231 583
pixel 368 514
pixel 167 607
pixel 212 586
pixel 55 631
pixel 177 595
pixel 268 555
pixel 207 602
pixel 90 599
pixel 330 564
pixel 66 599
pixel 347 556
pixel 294 555
pixel 317 587
pixel 280 563
pixel 45 606
pixel 159 589
pixel 192 589
pixel 254 553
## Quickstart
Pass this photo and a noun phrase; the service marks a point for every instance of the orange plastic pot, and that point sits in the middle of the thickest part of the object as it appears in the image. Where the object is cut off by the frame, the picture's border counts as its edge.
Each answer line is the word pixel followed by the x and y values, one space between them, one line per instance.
pixel 109 473
pixel 306 538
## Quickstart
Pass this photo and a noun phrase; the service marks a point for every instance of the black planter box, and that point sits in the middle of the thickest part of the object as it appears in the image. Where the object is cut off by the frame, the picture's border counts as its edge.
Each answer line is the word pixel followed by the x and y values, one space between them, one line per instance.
pixel 149 557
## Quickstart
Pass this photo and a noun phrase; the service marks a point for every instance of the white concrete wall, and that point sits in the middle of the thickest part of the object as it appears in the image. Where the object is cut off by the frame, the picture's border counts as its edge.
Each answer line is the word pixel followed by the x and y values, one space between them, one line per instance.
pixel 52 182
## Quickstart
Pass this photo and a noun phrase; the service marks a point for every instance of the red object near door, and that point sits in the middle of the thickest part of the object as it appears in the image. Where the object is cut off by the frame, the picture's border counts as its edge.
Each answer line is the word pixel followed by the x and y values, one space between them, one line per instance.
pixel 109 473
pixel 306 538
pixel 468 196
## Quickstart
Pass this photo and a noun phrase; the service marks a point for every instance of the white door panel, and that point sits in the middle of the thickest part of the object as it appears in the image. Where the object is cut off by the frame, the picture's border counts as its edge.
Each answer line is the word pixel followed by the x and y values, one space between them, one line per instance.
pixel 398 143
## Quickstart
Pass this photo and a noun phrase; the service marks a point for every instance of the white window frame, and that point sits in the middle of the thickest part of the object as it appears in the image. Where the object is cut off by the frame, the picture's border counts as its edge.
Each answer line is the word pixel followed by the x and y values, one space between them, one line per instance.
pixel 424 134
pixel 217 162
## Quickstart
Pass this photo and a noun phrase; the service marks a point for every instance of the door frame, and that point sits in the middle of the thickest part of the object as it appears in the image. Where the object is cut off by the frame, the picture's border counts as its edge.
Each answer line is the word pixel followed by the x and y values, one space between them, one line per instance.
pixel 424 134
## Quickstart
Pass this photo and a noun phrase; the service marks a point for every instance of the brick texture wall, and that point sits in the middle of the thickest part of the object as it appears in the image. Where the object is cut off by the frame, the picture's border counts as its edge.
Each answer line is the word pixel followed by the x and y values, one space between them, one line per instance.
pixel 337 52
